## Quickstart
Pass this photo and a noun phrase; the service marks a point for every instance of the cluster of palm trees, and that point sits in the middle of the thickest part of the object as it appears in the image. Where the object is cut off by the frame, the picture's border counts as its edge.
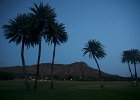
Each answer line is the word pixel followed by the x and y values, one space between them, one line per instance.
pixel 131 56
pixel 28 29
pixel 96 51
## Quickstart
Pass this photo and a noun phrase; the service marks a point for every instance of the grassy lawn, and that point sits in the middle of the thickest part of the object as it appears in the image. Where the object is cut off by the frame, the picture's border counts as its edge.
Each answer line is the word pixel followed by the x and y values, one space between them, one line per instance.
pixel 69 90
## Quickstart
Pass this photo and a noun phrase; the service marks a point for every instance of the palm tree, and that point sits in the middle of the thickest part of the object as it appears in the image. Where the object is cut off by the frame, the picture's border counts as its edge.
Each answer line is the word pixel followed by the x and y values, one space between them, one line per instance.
pixel 135 59
pixel 56 36
pixel 41 15
pixel 126 58
pixel 96 51
pixel 18 30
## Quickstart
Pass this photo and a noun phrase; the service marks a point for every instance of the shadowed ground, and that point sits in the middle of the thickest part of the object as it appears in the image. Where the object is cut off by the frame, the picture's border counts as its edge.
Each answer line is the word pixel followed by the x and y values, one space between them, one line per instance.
pixel 69 90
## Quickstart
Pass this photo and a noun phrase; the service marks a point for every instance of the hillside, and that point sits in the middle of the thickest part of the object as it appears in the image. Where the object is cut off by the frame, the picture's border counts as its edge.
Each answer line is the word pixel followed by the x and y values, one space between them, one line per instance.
pixel 63 71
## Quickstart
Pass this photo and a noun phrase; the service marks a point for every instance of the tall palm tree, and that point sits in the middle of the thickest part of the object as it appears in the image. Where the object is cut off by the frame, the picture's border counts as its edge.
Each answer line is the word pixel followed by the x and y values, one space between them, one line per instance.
pixel 135 59
pixel 41 15
pixel 18 30
pixel 56 36
pixel 96 51
pixel 126 58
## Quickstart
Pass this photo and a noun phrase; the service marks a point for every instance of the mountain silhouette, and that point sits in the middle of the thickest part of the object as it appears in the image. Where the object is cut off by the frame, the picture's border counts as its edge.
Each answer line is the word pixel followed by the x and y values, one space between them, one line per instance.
pixel 61 71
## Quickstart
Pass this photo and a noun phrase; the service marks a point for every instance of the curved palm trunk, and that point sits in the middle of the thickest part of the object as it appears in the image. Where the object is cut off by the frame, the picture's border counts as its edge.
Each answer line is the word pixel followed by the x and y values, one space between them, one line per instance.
pixel 52 66
pixel 136 74
pixel 100 76
pixel 23 65
pixel 38 63
pixel 131 74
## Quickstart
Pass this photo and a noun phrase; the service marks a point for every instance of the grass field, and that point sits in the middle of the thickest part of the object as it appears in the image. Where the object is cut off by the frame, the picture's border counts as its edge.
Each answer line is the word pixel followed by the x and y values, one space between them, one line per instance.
pixel 69 90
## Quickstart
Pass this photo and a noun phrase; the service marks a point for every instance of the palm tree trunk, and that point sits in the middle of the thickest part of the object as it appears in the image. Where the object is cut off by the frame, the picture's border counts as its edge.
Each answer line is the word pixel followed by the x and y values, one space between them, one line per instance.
pixel 100 76
pixel 136 74
pixel 23 65
pixel 52 66
pixel 38 63
pixel 131 74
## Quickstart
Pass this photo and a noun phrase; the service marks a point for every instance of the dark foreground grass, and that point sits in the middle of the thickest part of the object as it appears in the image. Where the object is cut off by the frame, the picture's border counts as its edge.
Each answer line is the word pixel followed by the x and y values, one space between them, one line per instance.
pixel 69 90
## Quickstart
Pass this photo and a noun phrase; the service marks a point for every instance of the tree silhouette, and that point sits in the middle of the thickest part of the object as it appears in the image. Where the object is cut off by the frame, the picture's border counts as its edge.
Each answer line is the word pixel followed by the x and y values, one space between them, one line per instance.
pixel 126 58
pixel 41 15
pixel 18 30
pixel 135 59
pixel 56 36
pixel 96 51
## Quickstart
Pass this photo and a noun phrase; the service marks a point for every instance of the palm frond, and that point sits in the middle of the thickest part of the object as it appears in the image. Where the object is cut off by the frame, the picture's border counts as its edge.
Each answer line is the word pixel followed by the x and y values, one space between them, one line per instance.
pixel 94 48
pixel 19 28
pixel 41 15
pixel 131 56
pixel 56 34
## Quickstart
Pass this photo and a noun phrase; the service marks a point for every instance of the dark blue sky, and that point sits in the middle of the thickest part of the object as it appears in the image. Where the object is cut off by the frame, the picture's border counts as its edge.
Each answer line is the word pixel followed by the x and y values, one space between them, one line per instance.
pixel 115 23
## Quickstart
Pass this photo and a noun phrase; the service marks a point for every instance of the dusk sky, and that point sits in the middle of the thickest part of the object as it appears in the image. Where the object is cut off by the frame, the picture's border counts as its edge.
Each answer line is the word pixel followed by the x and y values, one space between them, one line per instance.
pixel 115 23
